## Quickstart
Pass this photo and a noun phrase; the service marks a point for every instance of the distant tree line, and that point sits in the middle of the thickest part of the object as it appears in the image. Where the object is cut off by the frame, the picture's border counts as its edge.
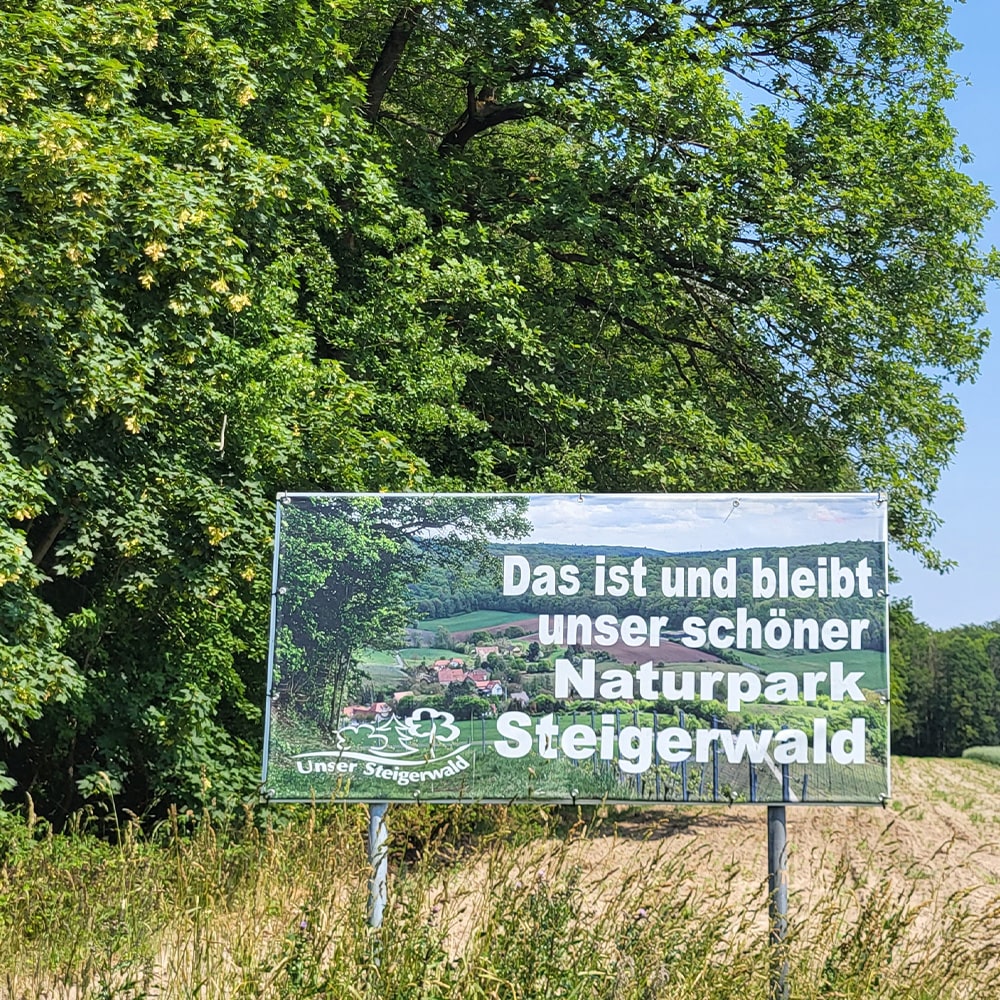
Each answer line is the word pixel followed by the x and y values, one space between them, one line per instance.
pixel 945 685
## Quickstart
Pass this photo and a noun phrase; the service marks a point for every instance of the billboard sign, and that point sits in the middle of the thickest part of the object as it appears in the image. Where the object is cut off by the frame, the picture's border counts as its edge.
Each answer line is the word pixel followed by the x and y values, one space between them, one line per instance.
pixel 579 648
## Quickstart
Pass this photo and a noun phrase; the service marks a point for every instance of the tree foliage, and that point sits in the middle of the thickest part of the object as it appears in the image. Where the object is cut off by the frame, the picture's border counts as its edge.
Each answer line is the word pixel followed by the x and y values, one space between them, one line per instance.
pixel 947 685
pixel 703 245
pixel 253 245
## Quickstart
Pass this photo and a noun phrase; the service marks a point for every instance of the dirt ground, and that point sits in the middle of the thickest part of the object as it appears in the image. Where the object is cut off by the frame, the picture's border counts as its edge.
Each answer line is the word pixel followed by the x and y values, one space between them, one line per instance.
pixel 934 847
pixel 941 827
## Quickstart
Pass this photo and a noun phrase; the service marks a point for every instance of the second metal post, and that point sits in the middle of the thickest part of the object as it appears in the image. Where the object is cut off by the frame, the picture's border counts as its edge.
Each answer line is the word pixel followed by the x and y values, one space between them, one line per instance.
pixel 777 887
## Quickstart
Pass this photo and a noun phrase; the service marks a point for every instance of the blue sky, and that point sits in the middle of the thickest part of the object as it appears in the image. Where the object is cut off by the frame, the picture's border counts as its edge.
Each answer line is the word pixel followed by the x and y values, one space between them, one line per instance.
pixel 971 592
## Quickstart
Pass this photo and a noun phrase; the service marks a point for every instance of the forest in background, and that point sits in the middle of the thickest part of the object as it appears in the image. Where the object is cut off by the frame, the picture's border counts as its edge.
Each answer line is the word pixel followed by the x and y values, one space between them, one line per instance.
pixel 249 246
pixel 945 685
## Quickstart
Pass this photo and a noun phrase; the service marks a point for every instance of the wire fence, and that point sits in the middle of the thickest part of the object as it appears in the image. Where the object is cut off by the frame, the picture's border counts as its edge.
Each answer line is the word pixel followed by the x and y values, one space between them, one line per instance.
pixel 722 780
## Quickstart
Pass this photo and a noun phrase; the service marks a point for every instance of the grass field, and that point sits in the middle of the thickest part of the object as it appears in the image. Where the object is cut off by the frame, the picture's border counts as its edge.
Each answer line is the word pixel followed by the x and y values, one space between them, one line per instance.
pixel 411 654
pixel 868 660
pixel 500 903
pixel 383 668
pixel 988 755
pixel 377 657
pixel 473 620
pixel 383 677
pixel 414 655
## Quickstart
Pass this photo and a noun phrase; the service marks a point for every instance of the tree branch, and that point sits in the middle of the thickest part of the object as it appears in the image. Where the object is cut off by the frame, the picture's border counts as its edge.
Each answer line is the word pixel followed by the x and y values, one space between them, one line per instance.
pixel 481 116
pixel 41 550
pixel 389 57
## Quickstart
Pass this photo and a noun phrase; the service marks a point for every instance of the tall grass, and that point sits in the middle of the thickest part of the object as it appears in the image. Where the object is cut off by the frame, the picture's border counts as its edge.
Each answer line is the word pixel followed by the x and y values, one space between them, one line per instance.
pixel 484 903
pixel 988 755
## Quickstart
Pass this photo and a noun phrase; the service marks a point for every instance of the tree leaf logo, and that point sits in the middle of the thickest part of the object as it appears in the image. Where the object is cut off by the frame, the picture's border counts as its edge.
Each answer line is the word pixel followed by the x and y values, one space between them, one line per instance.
pixel 426 728
pixel 428 734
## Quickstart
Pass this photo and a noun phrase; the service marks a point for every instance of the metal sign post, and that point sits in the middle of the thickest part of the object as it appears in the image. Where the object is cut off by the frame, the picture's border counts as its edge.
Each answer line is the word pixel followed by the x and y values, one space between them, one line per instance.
pixel 378 843
pixel 777 887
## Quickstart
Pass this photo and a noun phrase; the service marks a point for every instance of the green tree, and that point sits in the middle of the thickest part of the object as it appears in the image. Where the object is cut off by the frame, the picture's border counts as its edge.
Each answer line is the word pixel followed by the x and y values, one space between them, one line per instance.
pixel 541 245
pixel 542 703
pixel 342 588
pixel 157 386
pixel 964 713
pixel 672 245
pixel 945 684
pixel 466 707
pixel 913 679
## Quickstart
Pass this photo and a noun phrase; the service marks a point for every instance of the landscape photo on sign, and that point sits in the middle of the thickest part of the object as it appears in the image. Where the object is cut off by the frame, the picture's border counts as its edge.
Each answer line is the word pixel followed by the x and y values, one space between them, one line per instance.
pixel 540 647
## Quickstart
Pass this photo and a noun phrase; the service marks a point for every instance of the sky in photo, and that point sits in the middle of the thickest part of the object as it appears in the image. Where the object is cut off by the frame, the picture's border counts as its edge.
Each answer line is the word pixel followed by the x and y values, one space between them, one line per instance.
pixel 969 535
pixel 674 523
